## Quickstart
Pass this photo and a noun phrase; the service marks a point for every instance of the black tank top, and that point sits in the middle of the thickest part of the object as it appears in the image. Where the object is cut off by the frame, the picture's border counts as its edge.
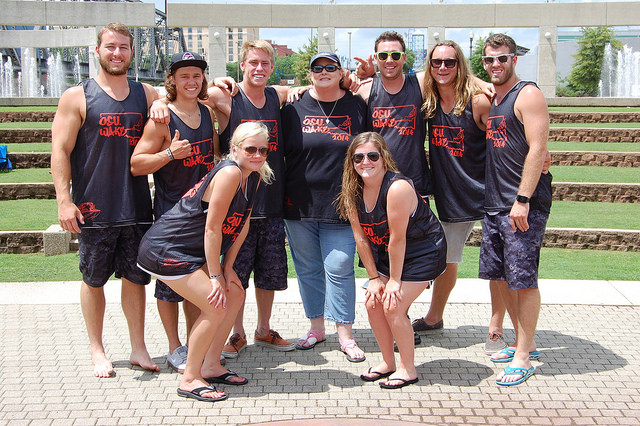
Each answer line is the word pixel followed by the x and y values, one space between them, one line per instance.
pixel 103 187
pixel 178 176
pixel 426 248
pixel 174 245
pixel 507 149
pixel 457 151
pixel 399 120
pixel 269 197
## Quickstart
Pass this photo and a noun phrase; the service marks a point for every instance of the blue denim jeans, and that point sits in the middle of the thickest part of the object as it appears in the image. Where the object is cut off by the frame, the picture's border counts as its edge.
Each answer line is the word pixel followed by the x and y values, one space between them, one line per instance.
pixel 323 255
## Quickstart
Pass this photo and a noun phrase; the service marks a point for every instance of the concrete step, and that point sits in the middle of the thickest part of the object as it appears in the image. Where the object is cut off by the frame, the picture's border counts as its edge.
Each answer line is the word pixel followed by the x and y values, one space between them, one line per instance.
pixel 51 241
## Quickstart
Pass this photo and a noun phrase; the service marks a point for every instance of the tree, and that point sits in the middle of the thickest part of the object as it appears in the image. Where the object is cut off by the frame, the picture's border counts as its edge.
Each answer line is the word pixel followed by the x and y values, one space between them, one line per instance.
pixel 302 58
pixel 283 68
pixel 233 71
pixel 477 68
pixel 585 73
pixel 411 59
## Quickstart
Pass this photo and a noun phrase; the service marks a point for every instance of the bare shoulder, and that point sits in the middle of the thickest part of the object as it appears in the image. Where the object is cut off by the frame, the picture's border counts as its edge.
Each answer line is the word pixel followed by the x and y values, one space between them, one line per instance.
pixel 218 97
pixel 530 100
pixel 400 190
pixel 481 101
pixel 151 92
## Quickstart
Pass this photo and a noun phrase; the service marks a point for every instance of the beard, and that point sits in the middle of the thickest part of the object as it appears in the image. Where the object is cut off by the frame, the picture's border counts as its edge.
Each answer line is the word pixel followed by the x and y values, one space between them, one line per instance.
pixel 112 70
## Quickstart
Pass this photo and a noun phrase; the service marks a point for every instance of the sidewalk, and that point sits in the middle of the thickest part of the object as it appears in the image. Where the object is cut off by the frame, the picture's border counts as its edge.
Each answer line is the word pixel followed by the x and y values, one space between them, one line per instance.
pixel 589 371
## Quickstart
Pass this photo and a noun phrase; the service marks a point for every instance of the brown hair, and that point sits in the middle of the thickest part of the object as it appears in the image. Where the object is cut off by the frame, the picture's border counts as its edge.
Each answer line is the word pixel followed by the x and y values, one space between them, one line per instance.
pixel 116 27
pixel 464 86
pixel 499 40
pixel 351 181
pixel 389 36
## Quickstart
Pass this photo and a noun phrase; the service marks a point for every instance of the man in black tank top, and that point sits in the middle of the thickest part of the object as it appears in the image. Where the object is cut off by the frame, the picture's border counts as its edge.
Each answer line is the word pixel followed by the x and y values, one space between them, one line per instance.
pixel 518 199
pixel 178 155
pixel 94 132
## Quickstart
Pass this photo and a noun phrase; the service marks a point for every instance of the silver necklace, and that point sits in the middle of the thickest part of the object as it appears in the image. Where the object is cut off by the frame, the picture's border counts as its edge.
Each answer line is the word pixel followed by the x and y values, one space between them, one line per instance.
pixel 331 113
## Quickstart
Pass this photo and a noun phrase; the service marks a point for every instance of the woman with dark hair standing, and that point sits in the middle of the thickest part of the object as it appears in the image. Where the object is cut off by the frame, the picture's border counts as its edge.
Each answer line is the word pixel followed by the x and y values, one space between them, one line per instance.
pixel 401 245
pixel 318 128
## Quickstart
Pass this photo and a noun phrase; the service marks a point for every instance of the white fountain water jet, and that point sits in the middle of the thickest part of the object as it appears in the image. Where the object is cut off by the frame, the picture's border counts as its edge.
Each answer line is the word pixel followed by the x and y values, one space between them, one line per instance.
pixel 55 78
pixel 30 80
pixel 77 76
pixel 620 75
pixel 6 79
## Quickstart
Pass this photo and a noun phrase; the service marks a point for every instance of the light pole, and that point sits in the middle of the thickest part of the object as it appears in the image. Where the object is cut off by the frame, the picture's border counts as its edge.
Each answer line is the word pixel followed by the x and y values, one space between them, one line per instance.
pixel 349 59
pixel 470 46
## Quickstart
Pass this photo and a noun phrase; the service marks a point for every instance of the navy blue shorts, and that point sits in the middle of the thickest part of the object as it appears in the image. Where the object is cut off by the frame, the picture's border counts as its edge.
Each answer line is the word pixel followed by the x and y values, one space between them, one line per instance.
pixel 165 293
pixel 104 251
pixel 263 253
pixel 510 256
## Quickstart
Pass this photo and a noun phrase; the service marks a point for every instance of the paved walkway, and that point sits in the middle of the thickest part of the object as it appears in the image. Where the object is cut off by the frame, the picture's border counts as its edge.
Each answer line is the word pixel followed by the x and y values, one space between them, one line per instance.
pixel 589 372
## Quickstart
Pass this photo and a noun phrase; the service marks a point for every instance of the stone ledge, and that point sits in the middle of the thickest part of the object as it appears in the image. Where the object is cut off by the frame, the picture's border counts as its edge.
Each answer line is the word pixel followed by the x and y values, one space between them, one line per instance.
pixel 19 191
pixel 594 117
pixel 26 116
pixel 25 136
pixel 581 239
pixel 588 134
pixel 594 158
pixel 30 160
pixel 21 242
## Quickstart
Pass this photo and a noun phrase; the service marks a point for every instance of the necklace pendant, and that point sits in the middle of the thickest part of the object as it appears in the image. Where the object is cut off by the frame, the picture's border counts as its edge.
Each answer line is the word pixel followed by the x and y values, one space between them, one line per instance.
pixel 326 121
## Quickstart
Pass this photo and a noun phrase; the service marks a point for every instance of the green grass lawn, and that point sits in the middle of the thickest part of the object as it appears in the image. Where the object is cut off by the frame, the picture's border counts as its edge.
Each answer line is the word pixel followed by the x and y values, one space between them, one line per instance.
pixel 554 263
pixel 577 214
pixel 29 147
pixel 29 108
pixel 598 125
pixel 595 174
pixel 26 175
pixel 27 215
pixel 583 146
pixel 26 125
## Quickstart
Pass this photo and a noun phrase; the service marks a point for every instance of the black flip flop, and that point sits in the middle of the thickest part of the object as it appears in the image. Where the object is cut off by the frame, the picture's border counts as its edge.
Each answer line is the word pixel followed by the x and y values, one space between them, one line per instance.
pixel 197 394
pixel 401 385
pixel 378 377
pixel 224 379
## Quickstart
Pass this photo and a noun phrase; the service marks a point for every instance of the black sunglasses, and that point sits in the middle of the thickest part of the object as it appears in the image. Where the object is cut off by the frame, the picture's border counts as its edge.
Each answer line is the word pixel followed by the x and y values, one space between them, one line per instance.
pixel 502 58
pixel 251 150
pixel 448 63
pixel 329 67
pixel 373 156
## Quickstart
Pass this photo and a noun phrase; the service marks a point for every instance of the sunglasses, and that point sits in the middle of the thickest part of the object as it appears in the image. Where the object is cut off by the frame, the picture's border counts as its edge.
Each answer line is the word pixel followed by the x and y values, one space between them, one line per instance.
pixel 488 60
pixel 373 156
pixel 382 56
pixel 251 150
pixel 448 63
pixel 329 67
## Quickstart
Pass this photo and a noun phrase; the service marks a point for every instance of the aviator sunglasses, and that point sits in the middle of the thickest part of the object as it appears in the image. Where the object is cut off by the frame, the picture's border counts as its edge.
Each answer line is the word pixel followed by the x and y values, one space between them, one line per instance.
pixel 382 56
pixel 373 156
pixel 448 63
pixel 329 67
pixel 502 58
pixel 251 150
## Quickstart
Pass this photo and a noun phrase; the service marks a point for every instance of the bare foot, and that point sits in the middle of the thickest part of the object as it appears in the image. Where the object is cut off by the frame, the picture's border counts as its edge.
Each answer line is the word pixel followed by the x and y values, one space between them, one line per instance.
pixel 101 365
pixel 142 359
pixel 190 386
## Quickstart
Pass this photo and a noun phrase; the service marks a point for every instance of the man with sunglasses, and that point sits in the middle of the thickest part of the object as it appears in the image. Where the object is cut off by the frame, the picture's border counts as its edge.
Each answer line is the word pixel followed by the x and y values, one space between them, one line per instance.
pixel 394 102
pixel 517 201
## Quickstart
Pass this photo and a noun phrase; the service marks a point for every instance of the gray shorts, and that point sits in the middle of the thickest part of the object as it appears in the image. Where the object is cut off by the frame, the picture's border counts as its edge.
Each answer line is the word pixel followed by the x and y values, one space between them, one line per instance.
pixel 510 256
pixel 456 234
pixel 104 251
pixel 263 253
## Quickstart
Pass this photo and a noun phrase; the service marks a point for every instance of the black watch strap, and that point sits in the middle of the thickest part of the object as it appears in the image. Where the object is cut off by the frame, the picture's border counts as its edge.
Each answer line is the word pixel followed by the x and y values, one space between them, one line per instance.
pixel 522 199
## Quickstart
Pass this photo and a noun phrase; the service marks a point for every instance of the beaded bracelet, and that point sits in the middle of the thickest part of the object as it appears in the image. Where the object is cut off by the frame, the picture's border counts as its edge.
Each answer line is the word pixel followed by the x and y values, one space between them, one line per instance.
pixel 170 154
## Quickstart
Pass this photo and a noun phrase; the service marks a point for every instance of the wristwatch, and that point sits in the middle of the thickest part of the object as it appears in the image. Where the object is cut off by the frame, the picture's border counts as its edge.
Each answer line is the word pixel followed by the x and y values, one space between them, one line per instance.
pixel 522 199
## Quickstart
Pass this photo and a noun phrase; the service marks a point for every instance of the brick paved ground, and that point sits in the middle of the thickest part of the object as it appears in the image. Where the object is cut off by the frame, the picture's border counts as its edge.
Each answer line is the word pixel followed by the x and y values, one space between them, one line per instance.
pixel 588 373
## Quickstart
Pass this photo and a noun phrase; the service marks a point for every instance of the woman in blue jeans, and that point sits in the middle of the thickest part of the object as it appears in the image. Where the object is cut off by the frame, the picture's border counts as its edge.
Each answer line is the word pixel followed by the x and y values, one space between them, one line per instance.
pixel 318 128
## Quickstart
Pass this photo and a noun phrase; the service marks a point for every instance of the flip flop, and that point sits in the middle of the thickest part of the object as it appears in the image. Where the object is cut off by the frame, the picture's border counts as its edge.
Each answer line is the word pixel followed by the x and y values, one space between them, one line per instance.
pixel 197 394
pixel 350 344
pixel 533 355
pixel 511 371
pixel 378 376
pixel 309 340
pixel 224 379
pixel 405 382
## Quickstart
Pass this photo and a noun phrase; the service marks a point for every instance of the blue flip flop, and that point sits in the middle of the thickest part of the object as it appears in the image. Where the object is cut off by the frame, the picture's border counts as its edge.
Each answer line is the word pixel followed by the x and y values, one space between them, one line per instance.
pixel 512 371
pixel 533 355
